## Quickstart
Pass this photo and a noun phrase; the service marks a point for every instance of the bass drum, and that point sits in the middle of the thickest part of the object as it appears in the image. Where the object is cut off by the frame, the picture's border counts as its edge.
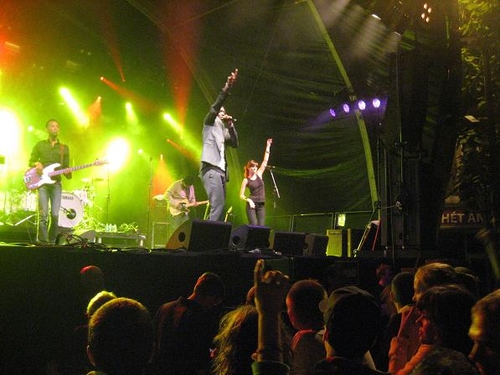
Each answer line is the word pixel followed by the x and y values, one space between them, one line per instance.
pixel 71 210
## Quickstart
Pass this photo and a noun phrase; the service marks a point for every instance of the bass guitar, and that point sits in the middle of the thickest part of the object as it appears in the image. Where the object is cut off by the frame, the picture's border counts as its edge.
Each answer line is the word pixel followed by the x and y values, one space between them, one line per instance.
pixel 33 180
pixel 183 207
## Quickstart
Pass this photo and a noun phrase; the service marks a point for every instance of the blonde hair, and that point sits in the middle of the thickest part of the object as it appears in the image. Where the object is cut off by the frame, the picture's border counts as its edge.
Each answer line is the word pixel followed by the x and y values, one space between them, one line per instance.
pixel 236 341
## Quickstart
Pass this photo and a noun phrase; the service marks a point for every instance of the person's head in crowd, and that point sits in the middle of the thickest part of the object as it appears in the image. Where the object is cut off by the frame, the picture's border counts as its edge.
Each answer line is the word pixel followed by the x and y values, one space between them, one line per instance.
pixel 402 289
pixel 432 274
pixel 352 322
pixel 121 337
pixel 446 317
pixel 333 278
pixel 485 333
pixel 209 290
pixel 384 274
pixel 469 279
pixel 92 280
pixel 98 300
pixel 445 361
pixel 302 303
pixel 236 341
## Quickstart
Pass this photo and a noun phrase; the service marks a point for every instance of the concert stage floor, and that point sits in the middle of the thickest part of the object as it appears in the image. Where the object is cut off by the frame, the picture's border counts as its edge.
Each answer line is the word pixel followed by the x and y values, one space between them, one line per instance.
pixel 42 300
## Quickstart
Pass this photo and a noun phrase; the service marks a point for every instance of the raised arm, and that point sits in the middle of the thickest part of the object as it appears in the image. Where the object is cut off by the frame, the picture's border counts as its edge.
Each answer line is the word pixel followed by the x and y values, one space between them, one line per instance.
pixel 265 159
pixel 270 289
pixel 231 79
pixel 216 106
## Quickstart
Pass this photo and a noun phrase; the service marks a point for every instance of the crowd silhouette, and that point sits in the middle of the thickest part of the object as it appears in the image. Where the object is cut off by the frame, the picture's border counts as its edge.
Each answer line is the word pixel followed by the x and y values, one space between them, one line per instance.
pixel 440 324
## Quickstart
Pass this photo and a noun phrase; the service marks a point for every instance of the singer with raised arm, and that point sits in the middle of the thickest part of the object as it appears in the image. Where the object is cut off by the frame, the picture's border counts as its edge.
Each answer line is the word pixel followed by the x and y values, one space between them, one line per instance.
pixel 47 152
pixel 255 202
pixel 218 132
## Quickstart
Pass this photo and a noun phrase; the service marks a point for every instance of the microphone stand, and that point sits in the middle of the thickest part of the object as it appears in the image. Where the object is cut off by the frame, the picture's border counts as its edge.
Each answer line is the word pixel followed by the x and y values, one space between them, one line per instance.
pixel 108 198
pixel 276 195
pixel 148 225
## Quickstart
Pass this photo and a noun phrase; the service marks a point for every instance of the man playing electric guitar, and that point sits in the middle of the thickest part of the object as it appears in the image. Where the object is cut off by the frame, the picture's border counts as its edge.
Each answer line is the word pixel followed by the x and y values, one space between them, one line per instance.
pixel 180 196
pixel 47 152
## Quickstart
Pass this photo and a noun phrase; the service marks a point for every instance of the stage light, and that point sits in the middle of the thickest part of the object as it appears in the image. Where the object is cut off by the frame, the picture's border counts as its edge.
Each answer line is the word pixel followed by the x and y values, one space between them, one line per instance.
pixel 368 107
pixel 76 109
pixel 11 143
pixel 132 118
pixel 173 123
pixel 94 110
pixel 117 154
pixel 426 13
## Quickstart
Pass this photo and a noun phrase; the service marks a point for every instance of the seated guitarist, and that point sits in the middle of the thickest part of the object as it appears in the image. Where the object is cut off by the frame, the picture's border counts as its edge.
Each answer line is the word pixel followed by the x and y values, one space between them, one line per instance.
pixel 180 196
pixel 45 153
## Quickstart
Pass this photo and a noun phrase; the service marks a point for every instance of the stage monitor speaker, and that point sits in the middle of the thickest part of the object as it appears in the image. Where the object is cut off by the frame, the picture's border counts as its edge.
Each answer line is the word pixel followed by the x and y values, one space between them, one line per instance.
pixel 316 244
pixel 197 235
pixel 250 237
pixel 289 243
pixel 72 237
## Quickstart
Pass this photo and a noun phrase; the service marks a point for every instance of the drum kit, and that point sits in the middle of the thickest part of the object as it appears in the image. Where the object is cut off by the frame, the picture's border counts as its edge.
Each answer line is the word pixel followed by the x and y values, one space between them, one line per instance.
pixel 76 206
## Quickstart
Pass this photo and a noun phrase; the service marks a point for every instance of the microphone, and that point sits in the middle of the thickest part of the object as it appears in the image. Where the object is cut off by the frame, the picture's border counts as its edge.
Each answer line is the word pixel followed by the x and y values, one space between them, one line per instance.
pixel 270 167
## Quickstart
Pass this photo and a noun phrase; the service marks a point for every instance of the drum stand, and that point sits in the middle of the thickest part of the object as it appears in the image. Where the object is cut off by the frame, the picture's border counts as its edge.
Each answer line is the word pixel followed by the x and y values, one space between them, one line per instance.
pixel 25 219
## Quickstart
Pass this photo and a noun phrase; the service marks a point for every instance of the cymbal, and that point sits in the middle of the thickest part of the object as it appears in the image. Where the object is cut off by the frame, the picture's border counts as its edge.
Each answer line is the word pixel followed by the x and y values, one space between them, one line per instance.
pixel 89 180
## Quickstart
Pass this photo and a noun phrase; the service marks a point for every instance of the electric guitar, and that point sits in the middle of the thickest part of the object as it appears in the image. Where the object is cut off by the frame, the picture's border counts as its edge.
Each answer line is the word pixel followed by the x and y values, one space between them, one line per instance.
pixel 183 207
pixel 33 180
